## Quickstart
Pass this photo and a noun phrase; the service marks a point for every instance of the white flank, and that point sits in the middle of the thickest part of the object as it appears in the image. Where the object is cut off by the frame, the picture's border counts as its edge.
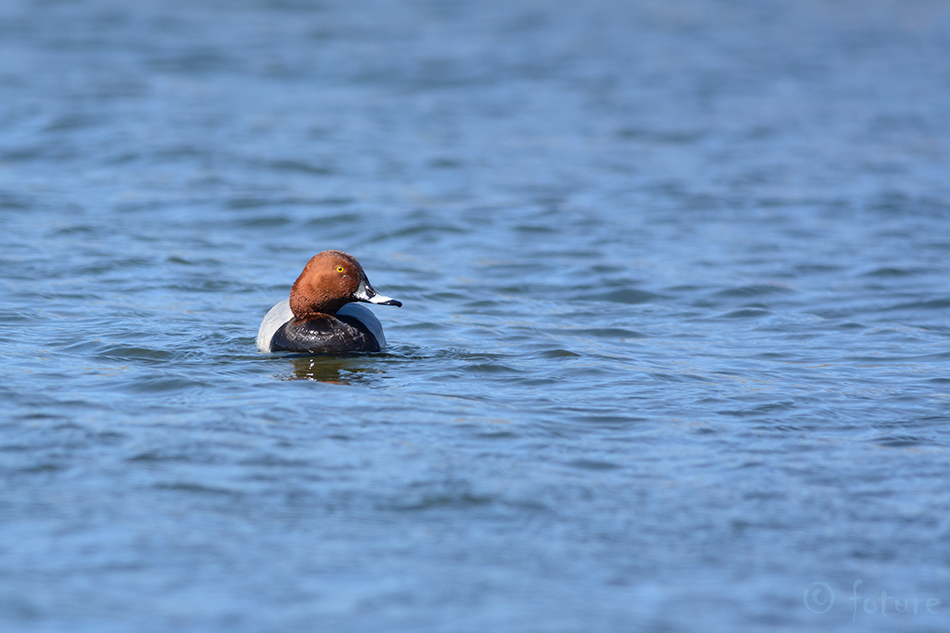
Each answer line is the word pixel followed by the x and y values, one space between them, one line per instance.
pixel 275 317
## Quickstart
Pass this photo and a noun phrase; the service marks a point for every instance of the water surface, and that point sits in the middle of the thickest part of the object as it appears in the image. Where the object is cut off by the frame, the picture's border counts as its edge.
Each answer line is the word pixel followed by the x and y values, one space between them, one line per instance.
pixel 674 343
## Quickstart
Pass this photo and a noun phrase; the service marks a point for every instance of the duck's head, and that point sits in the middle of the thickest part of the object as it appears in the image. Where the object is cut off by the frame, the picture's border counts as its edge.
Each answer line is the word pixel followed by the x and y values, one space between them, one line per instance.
pixel 329 281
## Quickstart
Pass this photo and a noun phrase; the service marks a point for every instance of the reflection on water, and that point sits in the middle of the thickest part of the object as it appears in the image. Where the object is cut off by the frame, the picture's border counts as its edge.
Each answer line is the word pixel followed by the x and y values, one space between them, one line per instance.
pixel 340 370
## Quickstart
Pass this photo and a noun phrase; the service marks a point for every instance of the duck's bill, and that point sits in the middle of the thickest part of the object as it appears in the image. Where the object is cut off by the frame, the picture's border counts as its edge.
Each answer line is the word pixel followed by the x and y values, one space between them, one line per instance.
pixel 383 300
pixel 365 292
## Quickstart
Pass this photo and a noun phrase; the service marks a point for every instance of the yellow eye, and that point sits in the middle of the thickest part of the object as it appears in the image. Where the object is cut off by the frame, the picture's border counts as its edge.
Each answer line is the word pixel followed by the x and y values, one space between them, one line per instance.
pixel 339 269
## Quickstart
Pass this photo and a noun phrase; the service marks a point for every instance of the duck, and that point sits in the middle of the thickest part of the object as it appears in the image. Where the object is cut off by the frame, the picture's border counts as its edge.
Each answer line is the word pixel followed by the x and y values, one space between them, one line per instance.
pixel 321 315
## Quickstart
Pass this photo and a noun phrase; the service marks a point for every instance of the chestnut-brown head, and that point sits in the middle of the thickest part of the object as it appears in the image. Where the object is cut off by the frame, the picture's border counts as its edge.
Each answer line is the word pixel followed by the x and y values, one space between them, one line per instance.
pixel 329 281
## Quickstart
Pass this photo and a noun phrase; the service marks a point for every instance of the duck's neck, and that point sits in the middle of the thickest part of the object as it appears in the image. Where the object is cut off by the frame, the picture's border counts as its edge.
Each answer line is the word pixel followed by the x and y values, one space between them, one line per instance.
pixel 310 305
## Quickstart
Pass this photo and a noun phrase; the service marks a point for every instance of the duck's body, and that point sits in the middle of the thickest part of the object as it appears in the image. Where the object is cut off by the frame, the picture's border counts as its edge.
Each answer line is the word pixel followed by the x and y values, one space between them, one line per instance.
pixel 320 316
pixel 354 328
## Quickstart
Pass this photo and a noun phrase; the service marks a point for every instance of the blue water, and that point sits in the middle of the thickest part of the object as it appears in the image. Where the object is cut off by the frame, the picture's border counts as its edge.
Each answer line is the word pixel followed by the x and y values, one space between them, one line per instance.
pixel 675 346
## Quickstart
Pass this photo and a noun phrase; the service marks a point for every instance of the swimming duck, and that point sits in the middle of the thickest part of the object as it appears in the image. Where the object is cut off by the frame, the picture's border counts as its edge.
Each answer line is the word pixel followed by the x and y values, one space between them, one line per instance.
pixel 320 316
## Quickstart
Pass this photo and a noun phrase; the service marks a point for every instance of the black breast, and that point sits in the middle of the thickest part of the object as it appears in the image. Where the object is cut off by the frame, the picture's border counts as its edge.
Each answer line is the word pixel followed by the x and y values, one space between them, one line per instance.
pixel 326 334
